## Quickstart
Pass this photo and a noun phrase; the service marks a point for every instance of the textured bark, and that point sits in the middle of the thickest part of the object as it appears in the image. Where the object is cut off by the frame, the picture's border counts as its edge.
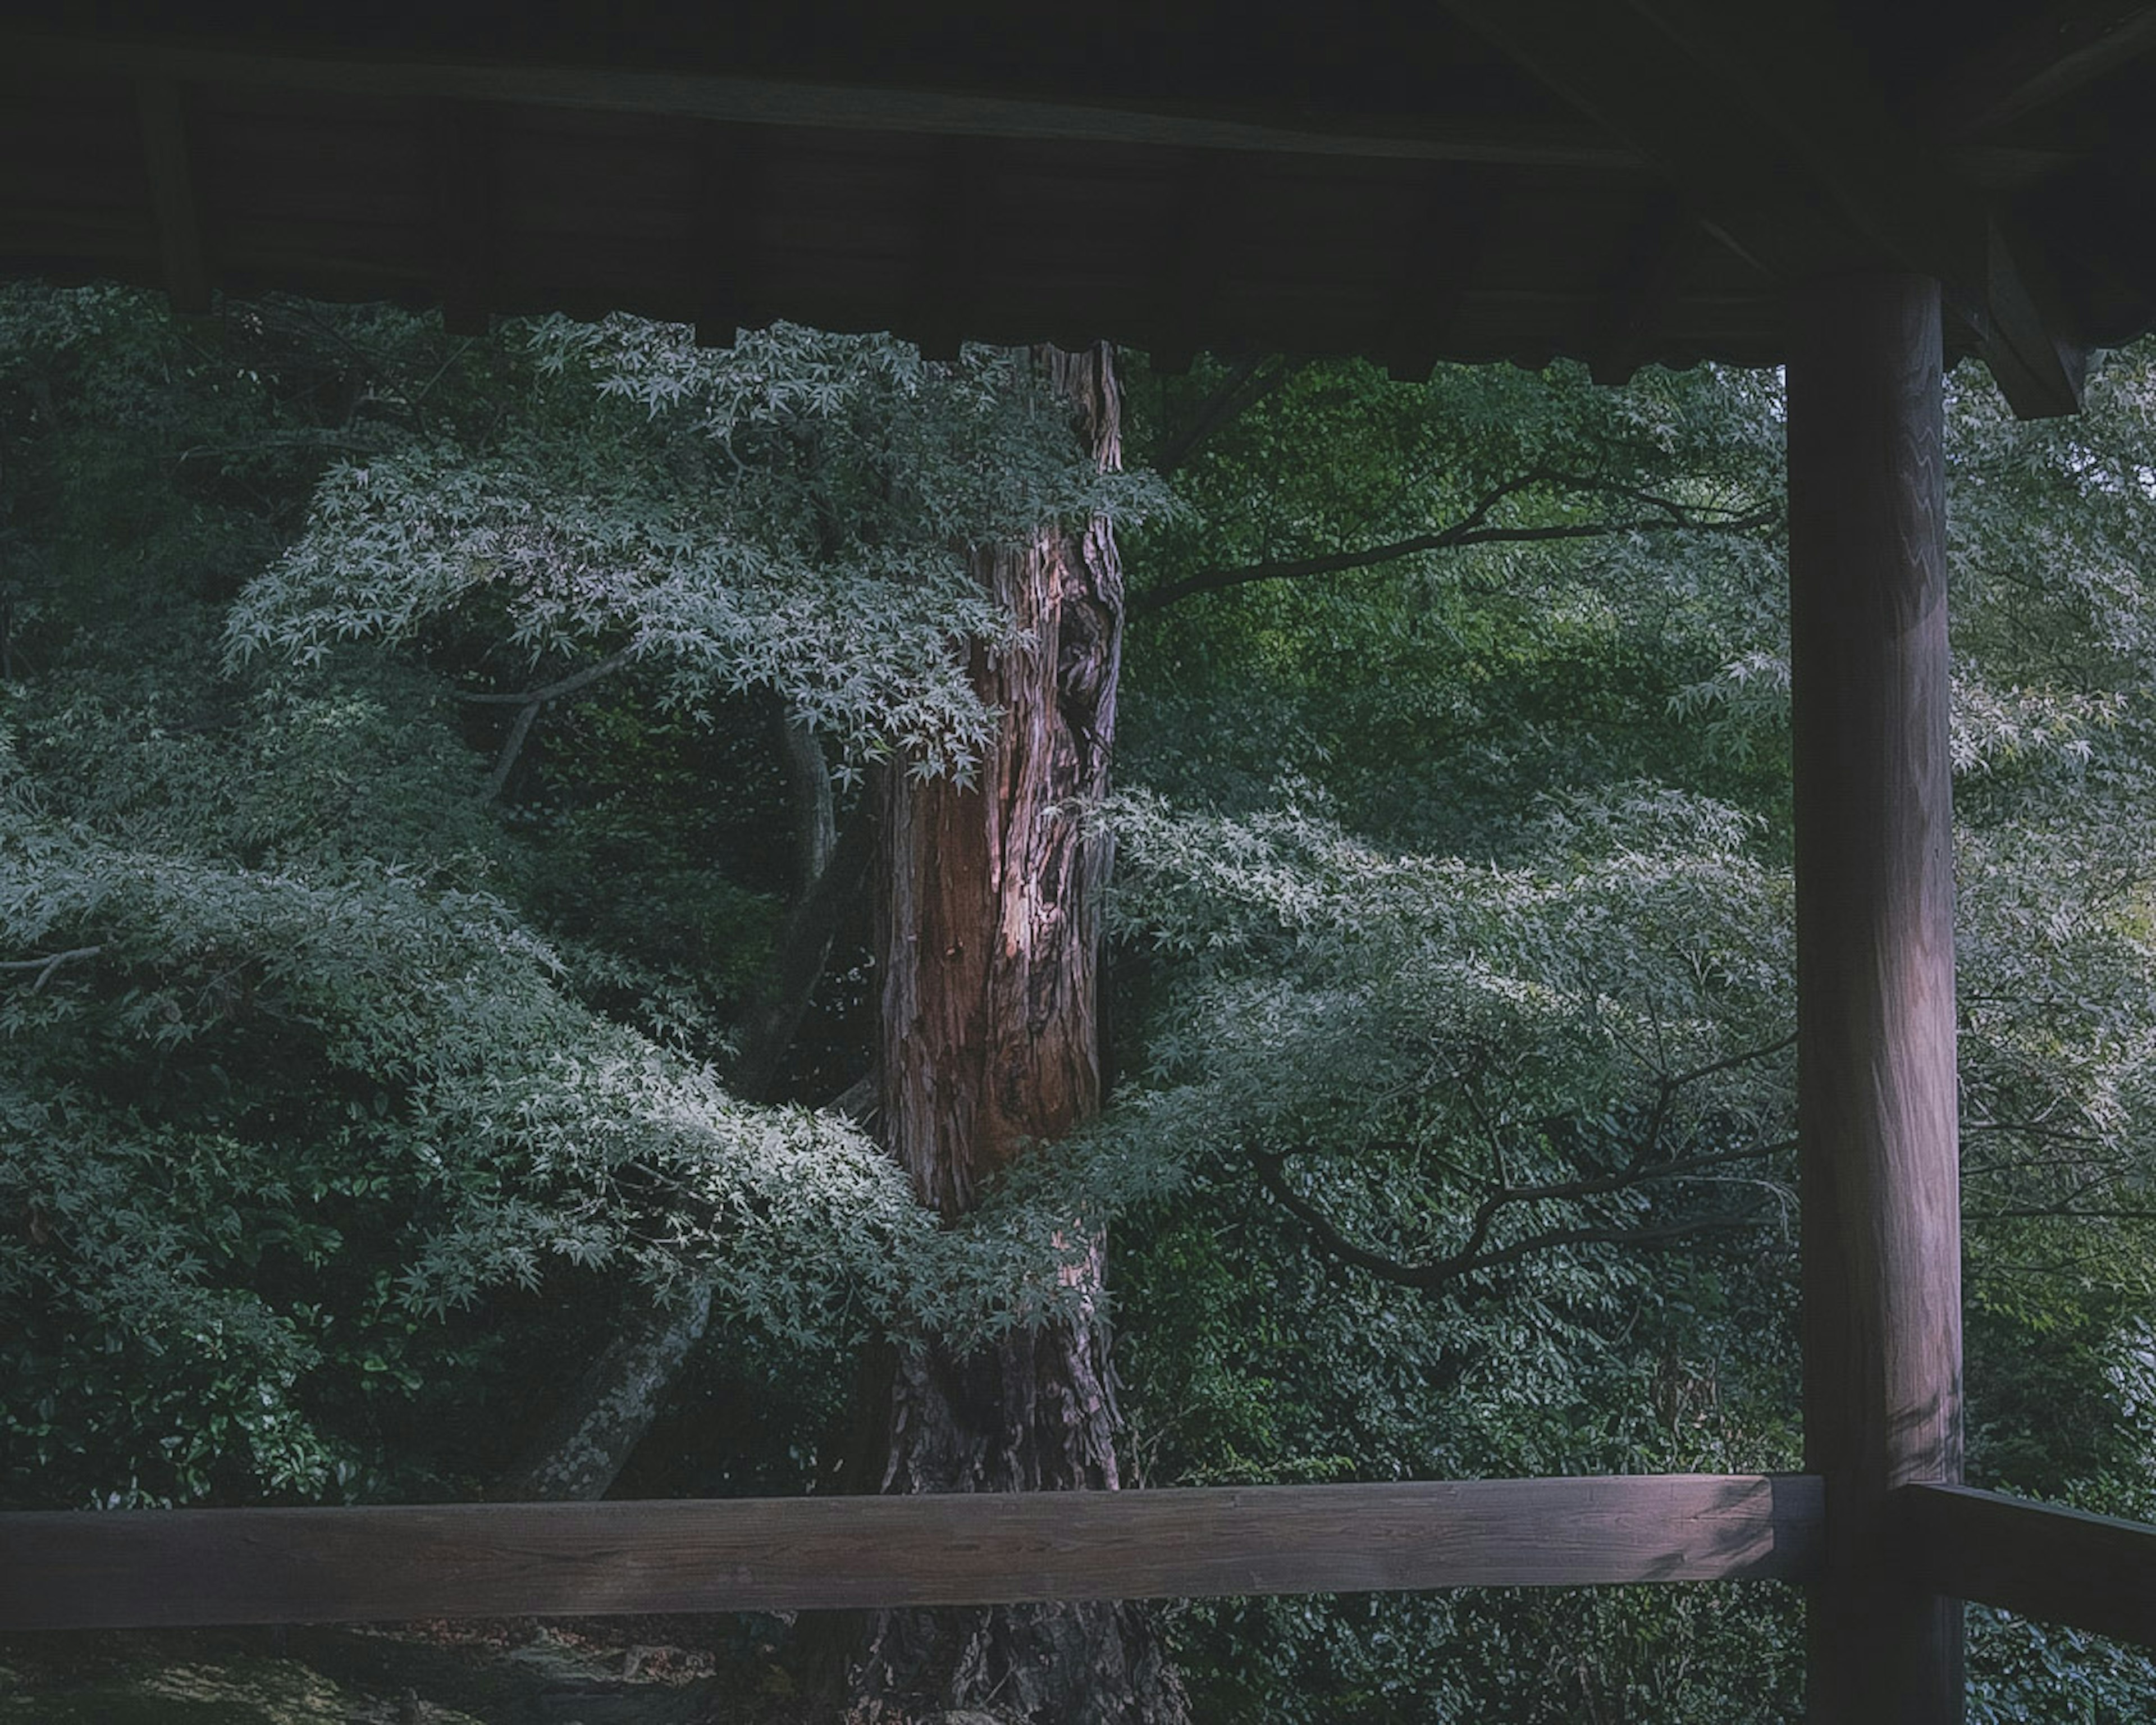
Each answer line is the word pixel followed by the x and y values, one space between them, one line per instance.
pixel 988 940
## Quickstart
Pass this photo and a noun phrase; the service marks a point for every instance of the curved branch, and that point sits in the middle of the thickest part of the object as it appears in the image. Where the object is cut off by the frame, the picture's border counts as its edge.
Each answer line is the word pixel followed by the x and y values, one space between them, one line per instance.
pixel 512 746
pixel 530 701
pixel 51 961
pixel 552 691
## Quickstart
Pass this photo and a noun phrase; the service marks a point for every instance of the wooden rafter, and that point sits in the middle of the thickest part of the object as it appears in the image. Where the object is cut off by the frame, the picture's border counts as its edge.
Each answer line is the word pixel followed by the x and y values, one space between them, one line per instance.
pixel 1733 103
pixel 2040 61
pixel 957 189
pixel 1636 300
pixel 1190 271
pixel 173 199
pixel 1444 247
pixel 766 101
pixel 462 152
pixel 726 237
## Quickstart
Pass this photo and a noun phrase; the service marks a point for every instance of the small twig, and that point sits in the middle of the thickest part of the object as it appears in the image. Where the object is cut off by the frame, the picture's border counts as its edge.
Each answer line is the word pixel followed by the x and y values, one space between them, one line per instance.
pixel 1471 529
pixel 1475 1254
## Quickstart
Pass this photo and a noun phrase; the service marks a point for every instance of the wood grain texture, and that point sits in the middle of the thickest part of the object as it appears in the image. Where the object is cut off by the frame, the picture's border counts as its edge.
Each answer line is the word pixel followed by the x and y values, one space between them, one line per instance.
pixel 88 1569
pixel 989 943
pixel 2094 1572
pixel 1876 1095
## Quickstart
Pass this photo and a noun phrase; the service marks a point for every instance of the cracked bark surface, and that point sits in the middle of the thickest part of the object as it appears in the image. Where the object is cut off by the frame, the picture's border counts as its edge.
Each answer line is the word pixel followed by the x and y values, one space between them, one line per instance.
pixel 989 944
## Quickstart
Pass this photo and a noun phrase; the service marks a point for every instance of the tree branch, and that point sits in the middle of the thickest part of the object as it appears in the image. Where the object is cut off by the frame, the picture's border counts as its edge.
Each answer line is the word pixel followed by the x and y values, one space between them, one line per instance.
pixel 1472 529
pixel 1230 399
pixel 1475 1256
pixel 512 746
pixel 530 701
pixel 552 691
pixel 51 961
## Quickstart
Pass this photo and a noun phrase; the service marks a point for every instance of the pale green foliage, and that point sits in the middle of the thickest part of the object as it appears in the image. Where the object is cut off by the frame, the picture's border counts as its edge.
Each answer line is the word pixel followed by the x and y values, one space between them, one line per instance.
pixel 353 1048
pixel 791 514
pixel 1432 1016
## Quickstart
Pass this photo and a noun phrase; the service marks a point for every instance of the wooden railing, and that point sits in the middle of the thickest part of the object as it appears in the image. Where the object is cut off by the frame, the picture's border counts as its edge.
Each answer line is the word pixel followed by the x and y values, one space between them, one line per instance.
pixel 182 1567
pixel 2094 1572
pixel 163 1568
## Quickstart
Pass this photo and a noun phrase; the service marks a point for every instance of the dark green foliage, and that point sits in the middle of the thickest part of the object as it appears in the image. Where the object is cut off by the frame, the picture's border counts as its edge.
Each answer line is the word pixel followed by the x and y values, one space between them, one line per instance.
pixel 1472 877
pixel 358 1066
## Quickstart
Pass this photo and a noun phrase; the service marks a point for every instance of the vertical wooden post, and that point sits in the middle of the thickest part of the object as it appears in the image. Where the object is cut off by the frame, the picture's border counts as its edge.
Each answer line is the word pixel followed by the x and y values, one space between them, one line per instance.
pixel 1875 988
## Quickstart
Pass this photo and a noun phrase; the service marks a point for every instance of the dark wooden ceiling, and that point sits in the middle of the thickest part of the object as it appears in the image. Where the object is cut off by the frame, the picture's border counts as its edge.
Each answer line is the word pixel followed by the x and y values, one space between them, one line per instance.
pixel 1620 181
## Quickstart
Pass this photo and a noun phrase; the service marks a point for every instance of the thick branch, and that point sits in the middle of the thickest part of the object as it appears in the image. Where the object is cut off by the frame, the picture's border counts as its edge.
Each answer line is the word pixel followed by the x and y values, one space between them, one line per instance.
pixel 1475 1256
pixel 512 746
pixel 530 701
pixel 807 777
pixel 1472 529
pixel 45 966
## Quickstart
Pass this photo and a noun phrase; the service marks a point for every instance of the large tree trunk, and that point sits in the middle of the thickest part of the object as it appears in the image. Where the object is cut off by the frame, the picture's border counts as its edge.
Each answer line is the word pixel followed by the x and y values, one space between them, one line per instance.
pixel 989 941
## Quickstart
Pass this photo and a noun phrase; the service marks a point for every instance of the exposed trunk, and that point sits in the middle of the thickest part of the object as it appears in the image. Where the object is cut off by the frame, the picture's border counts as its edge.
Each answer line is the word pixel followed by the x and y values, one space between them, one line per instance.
pixel 989 941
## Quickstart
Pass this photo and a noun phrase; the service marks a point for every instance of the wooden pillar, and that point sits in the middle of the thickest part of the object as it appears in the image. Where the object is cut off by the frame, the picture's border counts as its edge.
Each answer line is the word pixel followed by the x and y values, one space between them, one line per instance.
pixel 1875 974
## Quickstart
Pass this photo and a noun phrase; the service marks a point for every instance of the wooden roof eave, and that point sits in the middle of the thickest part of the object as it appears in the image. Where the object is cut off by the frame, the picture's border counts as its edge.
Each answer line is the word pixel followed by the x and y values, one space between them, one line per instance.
pixel 1701 136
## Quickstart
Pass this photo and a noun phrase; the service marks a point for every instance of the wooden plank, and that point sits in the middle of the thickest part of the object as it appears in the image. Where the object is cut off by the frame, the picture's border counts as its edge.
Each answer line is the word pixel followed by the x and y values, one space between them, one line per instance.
pixel 1443 246
pixel 181 252
pixel 952 246
pixel 1437 137
pixel 2093 1571
pixel 1636 300
pixel 1192 265
pixel 727 237
pixel 87 1569
pixel 1876 1127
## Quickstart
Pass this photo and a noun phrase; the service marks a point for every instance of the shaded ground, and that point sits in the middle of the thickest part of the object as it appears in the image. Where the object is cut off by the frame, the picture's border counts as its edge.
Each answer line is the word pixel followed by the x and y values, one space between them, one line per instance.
pixel 610 1671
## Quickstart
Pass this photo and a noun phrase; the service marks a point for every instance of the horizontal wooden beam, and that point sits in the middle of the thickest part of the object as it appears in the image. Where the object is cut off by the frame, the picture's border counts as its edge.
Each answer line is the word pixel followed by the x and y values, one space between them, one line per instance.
pixel 88 1569
pixel 766 101
pixel 2093 1571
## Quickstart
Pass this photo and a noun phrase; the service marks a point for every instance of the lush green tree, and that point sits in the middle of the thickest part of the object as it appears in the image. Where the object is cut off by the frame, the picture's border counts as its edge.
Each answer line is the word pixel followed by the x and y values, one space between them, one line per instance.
pixel 309 1114
pixel 1466 986
pixel 435 786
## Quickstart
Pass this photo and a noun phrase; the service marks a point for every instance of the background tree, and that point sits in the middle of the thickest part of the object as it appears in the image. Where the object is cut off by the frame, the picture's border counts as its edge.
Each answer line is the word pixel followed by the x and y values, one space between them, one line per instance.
pixel 1465 992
